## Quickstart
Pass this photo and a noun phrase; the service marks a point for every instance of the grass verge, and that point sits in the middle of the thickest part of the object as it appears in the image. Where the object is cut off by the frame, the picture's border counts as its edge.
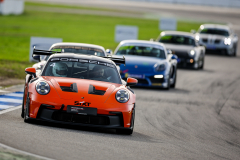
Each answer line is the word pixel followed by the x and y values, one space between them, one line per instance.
pixel 15 33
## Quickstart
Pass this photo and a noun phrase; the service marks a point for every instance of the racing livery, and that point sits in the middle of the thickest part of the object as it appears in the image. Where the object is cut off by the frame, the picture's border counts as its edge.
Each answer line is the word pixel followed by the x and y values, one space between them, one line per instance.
pixel 217 38
pixel 81 90
pixel 183 44
pixel 148 62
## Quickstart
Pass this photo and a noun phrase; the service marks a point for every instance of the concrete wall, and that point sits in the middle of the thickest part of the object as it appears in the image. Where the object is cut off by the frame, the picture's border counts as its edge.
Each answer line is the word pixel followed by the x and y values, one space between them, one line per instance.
pixel 221 3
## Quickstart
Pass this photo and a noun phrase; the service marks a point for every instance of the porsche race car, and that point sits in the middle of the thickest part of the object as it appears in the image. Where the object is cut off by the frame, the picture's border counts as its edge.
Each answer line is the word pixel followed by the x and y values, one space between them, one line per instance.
pixel 149 62
pixel 190 53
pixel 81 90
pixel 217 38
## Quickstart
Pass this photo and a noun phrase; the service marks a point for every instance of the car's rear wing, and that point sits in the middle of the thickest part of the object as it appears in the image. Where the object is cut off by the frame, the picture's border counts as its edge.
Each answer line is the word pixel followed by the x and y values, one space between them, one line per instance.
pixel 37 52
pixel 43 52
pixel 117 60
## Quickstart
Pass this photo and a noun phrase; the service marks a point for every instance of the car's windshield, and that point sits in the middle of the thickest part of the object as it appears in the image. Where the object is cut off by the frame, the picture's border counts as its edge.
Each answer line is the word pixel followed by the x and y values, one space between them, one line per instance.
pixel 141 51
pixel 215 31
pixel 177 39
pixel 77 50
pixel 82 69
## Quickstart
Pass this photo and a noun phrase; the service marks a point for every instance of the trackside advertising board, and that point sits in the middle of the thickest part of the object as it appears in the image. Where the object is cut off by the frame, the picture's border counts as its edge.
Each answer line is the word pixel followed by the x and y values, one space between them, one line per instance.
pixel 43 43
pixel 125 33
pixel 11 7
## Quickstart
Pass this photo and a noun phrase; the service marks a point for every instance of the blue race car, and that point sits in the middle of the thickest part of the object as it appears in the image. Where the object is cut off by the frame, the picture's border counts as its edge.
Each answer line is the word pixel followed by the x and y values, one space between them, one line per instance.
pixel 149 62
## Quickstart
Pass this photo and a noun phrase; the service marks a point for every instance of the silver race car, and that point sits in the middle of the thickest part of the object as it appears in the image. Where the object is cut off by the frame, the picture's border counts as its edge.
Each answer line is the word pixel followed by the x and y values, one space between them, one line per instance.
pixel 189 52
pixel 217 38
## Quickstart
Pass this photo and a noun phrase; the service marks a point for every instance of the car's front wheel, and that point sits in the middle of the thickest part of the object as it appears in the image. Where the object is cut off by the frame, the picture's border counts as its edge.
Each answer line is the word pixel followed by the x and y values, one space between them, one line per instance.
pixel 26 110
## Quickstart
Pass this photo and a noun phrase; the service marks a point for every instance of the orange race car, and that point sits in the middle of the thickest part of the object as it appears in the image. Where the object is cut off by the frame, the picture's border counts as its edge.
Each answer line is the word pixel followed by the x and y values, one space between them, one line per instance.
pixel 81 90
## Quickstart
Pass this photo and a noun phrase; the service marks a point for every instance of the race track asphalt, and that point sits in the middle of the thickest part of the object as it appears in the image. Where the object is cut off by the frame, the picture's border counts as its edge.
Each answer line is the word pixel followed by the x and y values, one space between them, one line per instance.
pixel 199 119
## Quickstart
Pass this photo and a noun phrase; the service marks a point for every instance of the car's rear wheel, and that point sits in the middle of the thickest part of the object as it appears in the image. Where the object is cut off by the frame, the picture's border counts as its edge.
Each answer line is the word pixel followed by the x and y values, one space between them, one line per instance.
pixel 128 131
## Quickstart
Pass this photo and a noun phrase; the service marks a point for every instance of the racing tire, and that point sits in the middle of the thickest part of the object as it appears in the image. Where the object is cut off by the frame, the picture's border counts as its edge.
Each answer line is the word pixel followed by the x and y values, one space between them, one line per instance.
pixel 235 50
pixel 128 131
pixel 26 110
pixel 175 80
pixel 22 114
pixel 202 66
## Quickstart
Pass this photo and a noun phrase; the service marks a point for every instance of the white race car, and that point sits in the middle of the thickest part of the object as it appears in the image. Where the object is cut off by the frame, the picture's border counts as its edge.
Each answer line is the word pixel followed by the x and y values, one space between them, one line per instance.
pixel 217 38
pixel 77 48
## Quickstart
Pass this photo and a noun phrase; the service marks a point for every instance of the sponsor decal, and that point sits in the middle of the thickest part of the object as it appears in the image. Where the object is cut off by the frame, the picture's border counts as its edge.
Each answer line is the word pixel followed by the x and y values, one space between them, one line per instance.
pixel 83 103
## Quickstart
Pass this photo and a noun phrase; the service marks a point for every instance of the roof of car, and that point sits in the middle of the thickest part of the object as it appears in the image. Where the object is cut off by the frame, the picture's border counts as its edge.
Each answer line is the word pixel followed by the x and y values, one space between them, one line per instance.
pixel 78 44
pixel 178 33
pixel 81 56
pixel 141 42
pixel 219 26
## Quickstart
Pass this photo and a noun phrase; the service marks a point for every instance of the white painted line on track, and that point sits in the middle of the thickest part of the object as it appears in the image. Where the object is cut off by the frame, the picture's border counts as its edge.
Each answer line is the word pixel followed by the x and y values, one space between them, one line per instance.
pixel 11 100
pixel 15 94
pixel 10 109
pixel 6 106
pixel 17 150
pixel 23 152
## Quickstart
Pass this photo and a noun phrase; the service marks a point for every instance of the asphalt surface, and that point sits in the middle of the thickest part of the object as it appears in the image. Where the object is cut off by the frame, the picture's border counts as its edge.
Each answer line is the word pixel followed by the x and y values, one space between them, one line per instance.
pixel 200 119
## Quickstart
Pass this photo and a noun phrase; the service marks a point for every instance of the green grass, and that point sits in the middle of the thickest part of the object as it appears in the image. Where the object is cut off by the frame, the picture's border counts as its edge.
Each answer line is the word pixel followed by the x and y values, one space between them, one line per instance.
pixel 15 33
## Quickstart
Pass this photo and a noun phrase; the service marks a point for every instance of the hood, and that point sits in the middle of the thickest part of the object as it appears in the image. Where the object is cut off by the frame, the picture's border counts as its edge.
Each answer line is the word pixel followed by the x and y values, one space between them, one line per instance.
pixel 81 89
pixel 140 63
pixel 180 48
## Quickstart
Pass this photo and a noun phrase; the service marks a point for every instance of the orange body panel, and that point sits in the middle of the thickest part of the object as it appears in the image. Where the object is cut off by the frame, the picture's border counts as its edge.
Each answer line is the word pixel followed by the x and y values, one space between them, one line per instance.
pixel 56 97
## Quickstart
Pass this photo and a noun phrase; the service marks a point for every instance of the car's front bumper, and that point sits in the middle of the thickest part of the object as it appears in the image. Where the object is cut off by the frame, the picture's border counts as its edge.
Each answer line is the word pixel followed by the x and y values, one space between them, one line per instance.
pixel 150 81
pixel 217 48
pixel 98 121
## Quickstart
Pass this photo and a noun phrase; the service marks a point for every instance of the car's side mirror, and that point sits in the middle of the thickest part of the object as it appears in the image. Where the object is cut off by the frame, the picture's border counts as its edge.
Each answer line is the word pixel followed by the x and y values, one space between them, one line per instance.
pixel 152 39
pixel 31 71
pixel 193 31
pixel 131 81
pixel 169 51
pixel 109 51
pixel 37 57
pixel 174 57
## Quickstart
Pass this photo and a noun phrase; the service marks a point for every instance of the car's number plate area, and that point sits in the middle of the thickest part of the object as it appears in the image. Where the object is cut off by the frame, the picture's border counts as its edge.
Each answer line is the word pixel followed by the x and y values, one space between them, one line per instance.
pixel 82 110
pixel 209 46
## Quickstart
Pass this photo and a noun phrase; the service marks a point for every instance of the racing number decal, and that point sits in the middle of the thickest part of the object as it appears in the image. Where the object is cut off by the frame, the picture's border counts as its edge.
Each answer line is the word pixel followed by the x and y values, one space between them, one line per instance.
pixel 82 103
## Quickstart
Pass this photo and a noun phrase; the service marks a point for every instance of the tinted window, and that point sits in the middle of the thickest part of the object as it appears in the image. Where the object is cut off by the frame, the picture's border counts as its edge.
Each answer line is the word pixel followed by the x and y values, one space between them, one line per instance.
pixel 141 51
pixel 181 40
pixel 214 31
pixel 82 70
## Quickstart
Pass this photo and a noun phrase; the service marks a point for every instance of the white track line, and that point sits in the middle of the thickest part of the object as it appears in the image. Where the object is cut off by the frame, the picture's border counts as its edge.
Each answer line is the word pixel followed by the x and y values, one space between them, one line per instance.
pixel 10 109
pixel 23 152
pixel 15 94
pixel 11 100
pixel 14 149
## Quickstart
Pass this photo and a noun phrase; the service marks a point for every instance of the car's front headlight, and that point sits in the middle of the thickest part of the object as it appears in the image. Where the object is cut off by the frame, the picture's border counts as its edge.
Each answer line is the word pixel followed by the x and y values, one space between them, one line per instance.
pixel 192 53
pixel 227 41
pixel 122 96
pixel 159 67
pixel 42 88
